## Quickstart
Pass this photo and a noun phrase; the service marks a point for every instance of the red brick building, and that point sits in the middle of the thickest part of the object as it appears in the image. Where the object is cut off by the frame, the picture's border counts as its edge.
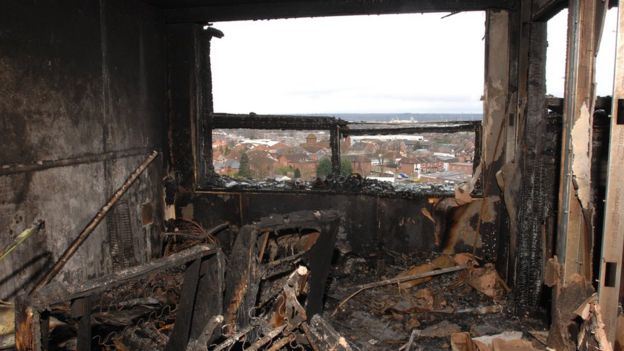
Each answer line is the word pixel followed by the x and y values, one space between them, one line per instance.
pixel 461 167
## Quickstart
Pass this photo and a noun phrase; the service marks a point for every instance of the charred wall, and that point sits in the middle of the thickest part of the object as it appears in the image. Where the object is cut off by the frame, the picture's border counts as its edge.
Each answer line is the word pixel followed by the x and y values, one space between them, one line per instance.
pixel 81 91
pixel 370 222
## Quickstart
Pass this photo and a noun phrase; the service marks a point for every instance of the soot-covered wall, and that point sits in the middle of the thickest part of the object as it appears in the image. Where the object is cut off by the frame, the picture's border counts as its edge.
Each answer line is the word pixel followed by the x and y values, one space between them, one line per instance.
pixel 369 222
pixel 79 80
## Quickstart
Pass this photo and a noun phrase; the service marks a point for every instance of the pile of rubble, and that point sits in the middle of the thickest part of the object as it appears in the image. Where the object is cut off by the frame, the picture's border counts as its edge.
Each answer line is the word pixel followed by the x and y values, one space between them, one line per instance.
pixel 285 284
pixel 448 299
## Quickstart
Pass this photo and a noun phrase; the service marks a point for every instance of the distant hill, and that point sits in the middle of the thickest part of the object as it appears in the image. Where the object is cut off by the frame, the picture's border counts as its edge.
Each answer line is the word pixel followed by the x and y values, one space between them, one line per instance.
pixel 415 117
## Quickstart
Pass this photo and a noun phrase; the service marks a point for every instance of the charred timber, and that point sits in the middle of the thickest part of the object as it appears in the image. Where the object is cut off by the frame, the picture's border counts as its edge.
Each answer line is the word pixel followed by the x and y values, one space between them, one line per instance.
pixel 208 10
pixel 555 104
pixel 52 294
pixel 451 127
pixel 281 122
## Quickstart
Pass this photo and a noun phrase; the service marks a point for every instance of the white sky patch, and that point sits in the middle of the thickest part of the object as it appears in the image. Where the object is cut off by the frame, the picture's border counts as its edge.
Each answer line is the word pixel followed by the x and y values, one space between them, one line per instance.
pixel 556 55
pixel 411 63
pixel 356 64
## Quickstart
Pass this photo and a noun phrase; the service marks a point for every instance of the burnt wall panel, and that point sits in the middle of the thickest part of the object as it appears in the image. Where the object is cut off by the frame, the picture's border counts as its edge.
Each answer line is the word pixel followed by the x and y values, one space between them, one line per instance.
pixel 134 100
pixel 360 212
pixel 402 225
pixel 211 210
pixel 76 78
pixel 369 222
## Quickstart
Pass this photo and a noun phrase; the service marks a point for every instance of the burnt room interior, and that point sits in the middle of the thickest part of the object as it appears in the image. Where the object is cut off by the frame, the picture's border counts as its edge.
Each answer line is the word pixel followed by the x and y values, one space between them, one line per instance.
pixel 118 233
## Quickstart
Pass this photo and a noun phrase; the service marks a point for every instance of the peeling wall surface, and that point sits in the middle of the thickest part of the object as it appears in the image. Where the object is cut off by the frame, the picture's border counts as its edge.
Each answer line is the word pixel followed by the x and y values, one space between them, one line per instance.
pixel 77 78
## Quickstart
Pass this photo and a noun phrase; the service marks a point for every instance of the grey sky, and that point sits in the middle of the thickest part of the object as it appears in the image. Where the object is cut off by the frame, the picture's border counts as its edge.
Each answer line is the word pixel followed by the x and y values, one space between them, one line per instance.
pixel 418 63
pixel 555 63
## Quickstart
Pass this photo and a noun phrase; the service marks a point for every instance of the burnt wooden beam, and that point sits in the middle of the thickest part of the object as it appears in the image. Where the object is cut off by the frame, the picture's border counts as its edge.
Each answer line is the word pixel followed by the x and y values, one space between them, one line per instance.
pixel 28 329
pixel 205 11
pixel 497 98
pixel 450 127
pixel 182 328
pixel 81 310
pixel 278 122
pixel 555 104
pixel 543 10
pixel 531 196
pixel 53 293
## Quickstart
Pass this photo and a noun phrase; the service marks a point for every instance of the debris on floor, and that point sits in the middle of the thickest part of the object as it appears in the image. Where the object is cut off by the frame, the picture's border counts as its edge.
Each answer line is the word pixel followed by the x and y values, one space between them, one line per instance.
pixel 281 292
pixel 438 312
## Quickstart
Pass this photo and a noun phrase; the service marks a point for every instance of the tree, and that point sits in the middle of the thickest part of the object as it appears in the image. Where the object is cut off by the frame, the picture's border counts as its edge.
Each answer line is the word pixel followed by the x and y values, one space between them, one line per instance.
pixel 243 170
pixel 297 173
pixel 324 167
pixel 345 167
pixel 283 170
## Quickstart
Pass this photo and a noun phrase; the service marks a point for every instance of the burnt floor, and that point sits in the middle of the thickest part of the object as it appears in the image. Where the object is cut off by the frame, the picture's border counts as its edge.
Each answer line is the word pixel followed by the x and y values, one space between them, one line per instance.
pixel 383 318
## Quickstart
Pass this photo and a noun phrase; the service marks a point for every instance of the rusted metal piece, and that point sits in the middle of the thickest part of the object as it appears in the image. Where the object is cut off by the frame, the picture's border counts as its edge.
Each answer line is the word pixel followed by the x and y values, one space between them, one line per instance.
pixel 70 161
pixel 266 339
pixel 432 273
pixel 93 223
pixel 233 339
pixel 279 344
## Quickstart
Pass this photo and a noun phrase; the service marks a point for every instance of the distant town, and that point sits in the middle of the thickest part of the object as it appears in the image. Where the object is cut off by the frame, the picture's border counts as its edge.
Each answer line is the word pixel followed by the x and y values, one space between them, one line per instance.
pixel 299 155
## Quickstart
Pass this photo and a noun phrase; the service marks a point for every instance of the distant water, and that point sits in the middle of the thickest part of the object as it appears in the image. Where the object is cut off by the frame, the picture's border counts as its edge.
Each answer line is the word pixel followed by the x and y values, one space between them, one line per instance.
pixel 415 117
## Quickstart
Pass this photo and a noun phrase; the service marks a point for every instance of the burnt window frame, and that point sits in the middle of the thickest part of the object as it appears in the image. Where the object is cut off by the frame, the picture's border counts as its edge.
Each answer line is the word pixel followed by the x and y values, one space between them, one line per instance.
pixel 447 127
pixel 208 179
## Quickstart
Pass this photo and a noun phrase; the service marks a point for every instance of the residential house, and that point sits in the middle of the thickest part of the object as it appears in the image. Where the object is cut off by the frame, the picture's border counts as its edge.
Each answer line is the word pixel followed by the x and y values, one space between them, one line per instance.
pixel 360 164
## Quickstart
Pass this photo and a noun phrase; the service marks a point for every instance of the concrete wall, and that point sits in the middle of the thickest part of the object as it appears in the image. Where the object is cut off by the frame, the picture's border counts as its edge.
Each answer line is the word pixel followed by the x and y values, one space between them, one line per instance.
pixel 77 78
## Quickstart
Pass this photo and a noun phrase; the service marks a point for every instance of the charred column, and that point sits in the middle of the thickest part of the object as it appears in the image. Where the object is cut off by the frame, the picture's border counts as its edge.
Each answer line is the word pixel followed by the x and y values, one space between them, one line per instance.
pixel 190 104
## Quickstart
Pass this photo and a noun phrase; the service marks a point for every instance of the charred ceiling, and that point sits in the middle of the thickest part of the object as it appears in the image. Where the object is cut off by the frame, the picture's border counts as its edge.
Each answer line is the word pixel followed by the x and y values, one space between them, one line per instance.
pixel 211 10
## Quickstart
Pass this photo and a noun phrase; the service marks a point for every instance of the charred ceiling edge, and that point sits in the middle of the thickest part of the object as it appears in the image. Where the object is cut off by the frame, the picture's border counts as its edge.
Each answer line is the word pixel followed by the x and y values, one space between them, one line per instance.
pixel 218 11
